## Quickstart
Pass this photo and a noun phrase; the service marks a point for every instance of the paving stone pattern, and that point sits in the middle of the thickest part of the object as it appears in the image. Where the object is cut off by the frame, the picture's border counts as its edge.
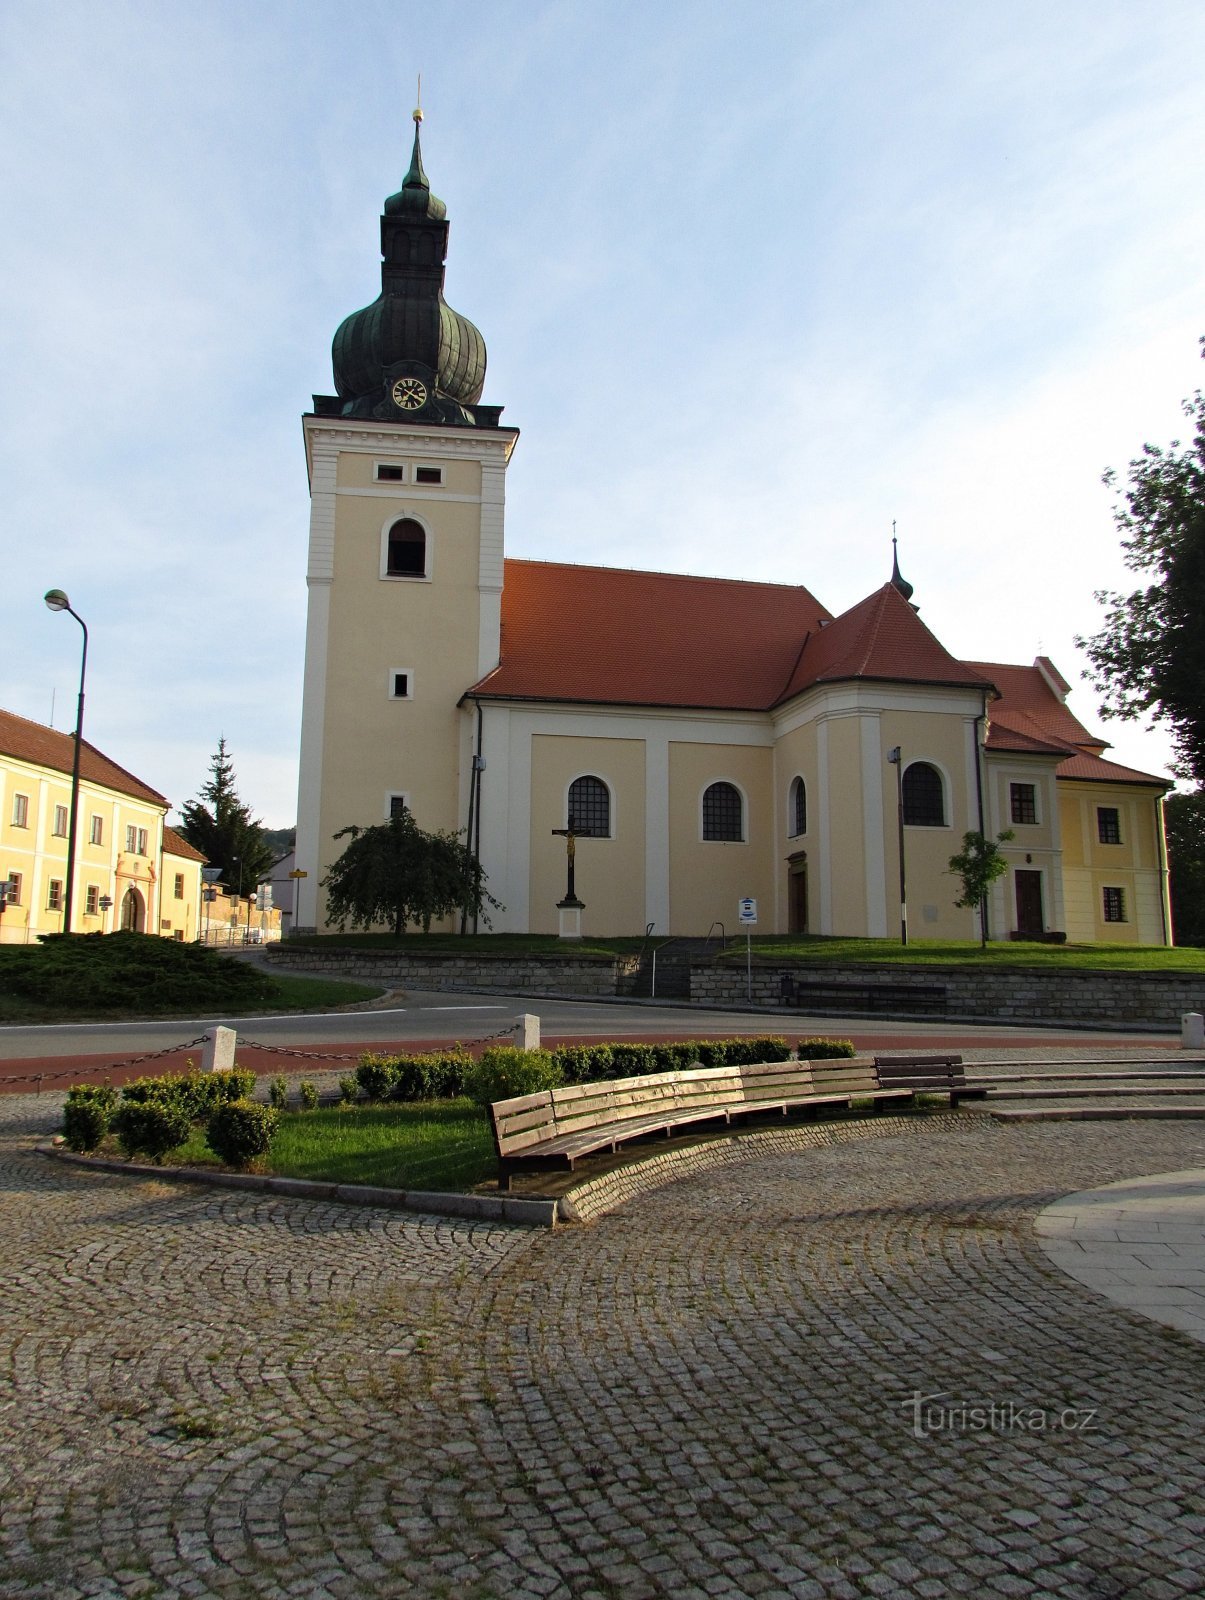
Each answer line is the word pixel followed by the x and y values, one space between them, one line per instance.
pixel 708 1392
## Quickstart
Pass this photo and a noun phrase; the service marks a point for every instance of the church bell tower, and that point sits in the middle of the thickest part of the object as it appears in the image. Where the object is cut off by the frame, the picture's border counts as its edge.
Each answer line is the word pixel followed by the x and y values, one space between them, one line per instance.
pixel 407 491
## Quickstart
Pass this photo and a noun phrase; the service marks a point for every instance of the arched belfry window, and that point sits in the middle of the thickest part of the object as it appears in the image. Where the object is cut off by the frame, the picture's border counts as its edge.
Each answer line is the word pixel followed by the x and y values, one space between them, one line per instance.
pixel 798 807
pixel 723 812
pixel 407 552
pixel 924 796
pixel 590 807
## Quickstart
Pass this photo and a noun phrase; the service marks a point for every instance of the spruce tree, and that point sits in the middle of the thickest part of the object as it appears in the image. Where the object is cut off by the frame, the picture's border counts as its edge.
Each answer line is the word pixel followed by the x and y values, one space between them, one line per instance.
pixel 222 828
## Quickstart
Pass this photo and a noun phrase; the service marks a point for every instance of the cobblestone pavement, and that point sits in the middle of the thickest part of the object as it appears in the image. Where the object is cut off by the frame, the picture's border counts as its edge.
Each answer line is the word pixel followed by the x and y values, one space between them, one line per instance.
pixel 710 1392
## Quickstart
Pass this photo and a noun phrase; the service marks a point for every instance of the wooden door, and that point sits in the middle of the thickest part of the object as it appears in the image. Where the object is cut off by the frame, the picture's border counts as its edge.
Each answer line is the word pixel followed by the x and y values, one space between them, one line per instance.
pixel 797 884
pixel 1029 902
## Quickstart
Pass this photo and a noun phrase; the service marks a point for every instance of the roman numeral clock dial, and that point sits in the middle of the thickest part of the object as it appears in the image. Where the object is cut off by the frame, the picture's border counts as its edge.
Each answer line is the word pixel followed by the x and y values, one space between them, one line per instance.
pixel 409 394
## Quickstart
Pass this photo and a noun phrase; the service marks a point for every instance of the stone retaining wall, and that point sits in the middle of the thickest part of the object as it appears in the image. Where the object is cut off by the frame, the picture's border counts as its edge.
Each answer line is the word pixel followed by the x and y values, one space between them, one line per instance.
pixel 1007 994
pixel 597 978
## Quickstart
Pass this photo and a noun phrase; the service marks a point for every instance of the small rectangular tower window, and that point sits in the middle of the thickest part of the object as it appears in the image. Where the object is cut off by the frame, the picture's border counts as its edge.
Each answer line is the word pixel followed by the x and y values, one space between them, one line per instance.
pixel 1024 801
pixel 1115 905
pixel 390 474
pixel 1108 825
pixel 401 683
pixel 396 805
pixel 428 474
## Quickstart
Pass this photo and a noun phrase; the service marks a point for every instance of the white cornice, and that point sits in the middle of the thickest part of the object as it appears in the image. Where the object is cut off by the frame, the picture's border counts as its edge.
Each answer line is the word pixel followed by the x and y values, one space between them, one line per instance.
pixel 325 435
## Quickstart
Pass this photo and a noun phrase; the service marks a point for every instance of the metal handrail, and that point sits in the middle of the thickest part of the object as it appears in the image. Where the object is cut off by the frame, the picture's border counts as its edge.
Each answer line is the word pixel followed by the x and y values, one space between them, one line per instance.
pixel 723 937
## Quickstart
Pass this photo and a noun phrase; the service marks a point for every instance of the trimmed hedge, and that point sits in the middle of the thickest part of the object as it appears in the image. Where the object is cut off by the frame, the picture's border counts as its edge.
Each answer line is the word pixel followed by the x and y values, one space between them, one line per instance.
pixel 197 1094
pixel 240 1130
pixel 434 1075
pixel 824 1049
pixel 590 1063
pixel 155 1115
pixel 151 1127
pixel 502 1073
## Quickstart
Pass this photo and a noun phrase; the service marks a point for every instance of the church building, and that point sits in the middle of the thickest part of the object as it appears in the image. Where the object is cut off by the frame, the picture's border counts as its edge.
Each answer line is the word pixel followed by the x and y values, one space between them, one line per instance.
pixel 705 739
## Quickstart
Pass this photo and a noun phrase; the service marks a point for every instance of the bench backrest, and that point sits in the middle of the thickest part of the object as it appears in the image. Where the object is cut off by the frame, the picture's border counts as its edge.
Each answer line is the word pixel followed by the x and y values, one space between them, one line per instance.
pixel 921 1072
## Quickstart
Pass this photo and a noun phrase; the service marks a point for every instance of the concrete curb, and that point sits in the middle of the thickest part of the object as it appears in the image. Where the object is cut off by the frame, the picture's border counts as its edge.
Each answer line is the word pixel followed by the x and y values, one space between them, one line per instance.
pixel 1100 1114
pixel 476 1207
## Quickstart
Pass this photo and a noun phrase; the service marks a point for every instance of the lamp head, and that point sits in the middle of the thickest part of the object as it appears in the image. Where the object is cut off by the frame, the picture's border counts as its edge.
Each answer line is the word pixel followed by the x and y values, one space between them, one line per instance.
pixel 56 600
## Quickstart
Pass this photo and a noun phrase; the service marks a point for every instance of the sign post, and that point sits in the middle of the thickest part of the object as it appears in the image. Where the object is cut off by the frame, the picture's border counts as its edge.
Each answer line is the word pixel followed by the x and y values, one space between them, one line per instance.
pixel 746 915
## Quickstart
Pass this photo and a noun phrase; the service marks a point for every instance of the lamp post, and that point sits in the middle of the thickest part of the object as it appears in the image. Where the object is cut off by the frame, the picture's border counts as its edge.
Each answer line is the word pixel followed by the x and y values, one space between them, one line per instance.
pixel 896 761
pixel 56 600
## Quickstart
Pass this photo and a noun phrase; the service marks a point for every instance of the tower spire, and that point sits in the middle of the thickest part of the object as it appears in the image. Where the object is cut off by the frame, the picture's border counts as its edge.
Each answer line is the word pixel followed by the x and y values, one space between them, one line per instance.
pixel 898 581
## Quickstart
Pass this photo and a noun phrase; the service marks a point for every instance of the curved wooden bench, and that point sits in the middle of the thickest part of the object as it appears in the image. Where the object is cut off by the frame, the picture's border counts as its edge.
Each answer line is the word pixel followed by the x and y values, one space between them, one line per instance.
pixel 555 1127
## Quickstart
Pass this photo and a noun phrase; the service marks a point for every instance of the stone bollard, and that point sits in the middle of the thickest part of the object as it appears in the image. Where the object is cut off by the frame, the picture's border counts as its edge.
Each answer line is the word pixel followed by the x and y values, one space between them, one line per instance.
pixel 528 1032
pixel 217 1053
pixel 1192 1031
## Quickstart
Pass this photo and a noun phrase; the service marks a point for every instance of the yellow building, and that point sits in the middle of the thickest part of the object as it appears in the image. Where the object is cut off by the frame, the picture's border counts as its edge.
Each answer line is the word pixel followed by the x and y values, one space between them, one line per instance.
pixel 131 870
pixel 711 740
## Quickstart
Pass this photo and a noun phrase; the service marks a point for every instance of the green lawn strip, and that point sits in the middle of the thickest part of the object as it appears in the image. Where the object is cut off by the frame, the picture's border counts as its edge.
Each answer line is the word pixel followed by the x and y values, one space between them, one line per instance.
pixel 435 1144
pixel 284 993
pixel 489 947
pixel 944 953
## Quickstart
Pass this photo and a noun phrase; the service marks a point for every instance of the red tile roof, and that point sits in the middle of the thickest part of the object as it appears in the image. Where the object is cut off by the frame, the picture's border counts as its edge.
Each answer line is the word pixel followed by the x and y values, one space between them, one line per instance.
pixel 47 747
pixel 1091 769
pixel 605 635
pixel 175 844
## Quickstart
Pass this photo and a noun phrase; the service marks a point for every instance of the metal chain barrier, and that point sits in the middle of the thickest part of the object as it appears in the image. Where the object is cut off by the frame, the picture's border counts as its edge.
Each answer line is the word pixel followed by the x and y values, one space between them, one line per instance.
pixel 326 1055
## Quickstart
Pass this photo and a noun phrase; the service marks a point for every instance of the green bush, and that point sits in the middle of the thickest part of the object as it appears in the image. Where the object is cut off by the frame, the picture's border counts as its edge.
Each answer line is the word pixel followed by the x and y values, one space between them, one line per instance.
pixel 583 1063
pixel 676 1055
pixel 825 1049
pixel 240 1130
pixel 349 1090
pixel 102 1094
pixel 504 1072
pixel 308 1095
pixel 632 1060
pixel 197 1094
pixel 278 1093
pixel 129 972
pixel 748 1052
pixel 375 1075
pixel 437 1075
pixel 85 1123
pixel 151 1127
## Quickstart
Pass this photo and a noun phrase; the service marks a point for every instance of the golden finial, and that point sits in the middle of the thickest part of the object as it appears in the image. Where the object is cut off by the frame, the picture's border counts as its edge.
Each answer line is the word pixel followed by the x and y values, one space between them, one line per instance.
pixel 418 110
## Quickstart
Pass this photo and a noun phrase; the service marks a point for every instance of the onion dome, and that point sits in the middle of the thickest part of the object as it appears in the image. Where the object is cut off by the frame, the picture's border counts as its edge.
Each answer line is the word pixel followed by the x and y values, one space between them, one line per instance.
pixel 408 356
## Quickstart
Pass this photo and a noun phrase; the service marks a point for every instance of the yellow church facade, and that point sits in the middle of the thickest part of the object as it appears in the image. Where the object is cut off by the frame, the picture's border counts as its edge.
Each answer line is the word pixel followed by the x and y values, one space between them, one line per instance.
pixel 706 740
pixel 131 870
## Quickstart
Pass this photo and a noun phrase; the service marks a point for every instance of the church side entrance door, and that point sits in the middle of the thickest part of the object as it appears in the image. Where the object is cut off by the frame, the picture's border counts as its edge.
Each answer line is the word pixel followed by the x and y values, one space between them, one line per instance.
pixel 797 897
pixel 1029 902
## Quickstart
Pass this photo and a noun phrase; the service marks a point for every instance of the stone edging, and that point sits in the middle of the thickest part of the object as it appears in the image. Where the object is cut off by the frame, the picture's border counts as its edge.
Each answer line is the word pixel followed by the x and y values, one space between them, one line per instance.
pixel 475 1207
pixel 594 1197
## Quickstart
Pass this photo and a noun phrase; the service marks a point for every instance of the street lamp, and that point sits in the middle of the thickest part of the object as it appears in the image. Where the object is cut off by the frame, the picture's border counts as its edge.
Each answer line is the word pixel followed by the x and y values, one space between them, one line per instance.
pixel 56 600
pixel 893 755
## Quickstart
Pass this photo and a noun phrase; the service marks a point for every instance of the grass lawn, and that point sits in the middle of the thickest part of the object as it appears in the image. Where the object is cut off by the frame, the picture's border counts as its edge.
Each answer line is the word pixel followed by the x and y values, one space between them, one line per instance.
pixel 950 952
pixel 433 1144
pixel 489 946
pixel 283 993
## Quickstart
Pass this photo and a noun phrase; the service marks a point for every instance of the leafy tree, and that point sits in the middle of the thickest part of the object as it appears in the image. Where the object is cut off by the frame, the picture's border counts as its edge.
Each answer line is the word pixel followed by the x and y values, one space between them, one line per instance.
pixel 978 865
pixel 395 873
pixel 1149 658
pixel 1184 816
pixel 224 831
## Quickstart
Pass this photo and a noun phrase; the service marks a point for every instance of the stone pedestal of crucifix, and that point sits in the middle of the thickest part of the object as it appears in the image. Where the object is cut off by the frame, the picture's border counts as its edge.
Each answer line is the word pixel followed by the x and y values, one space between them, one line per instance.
pixel 570 908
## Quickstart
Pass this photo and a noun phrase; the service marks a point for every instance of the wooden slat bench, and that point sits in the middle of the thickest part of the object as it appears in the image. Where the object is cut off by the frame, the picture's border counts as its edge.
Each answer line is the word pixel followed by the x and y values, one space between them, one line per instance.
pixel 843 999
pixel 555 1127
pixel 928 1074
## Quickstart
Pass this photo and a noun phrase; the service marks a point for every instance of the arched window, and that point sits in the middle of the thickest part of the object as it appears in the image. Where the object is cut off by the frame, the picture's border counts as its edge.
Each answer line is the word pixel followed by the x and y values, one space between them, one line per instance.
pixel 407 554
pixel 590 807
pixel 924 796
pixel 723 812
pixel 798 807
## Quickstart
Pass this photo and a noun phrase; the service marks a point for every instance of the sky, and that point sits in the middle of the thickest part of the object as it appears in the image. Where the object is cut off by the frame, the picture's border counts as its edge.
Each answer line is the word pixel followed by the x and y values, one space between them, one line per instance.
pixel 754 285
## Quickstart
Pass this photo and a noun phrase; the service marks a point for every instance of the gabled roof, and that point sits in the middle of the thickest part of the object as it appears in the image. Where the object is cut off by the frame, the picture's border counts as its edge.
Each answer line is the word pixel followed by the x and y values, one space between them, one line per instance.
pixel 47 747
pixel 608 636
pixel 880 638
pixel 175 844
pixel 1091 769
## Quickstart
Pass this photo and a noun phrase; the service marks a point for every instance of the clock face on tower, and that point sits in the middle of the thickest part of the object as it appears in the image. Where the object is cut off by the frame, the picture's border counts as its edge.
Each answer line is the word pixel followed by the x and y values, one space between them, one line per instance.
pixel 409 394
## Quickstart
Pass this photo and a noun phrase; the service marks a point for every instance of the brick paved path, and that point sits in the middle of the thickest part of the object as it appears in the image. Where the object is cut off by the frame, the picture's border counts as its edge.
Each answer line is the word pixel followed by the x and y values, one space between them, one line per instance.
pixel 706 1393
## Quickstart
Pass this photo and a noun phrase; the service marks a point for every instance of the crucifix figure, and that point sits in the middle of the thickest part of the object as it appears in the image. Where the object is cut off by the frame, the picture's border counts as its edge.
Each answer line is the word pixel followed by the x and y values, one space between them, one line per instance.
pixel 570 835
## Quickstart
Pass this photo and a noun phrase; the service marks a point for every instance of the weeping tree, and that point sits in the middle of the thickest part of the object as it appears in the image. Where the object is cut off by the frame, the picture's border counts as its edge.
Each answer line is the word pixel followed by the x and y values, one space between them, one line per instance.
pixel 397 874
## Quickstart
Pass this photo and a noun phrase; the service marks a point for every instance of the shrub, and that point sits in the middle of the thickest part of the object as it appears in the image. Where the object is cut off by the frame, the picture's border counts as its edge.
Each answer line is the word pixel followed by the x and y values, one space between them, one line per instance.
pixel 197 1094
pixel 825 1049
pixel 632 1060
pixel 437 1075
pixel 504 1072
pixel 151 1127
pixel 308 1094
pixel 677 1056
pixel 130 971
pixel 85 1123
pixel 374 1074
pixel 240 1130
pixel 102 1094
pixel 349 1090
pixel 278 1093
pixel 747 1052
pixel 583 1063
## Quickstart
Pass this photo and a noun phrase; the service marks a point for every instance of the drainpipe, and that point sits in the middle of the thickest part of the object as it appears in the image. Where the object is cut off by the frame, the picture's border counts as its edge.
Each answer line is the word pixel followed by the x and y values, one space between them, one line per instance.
pixel 475 798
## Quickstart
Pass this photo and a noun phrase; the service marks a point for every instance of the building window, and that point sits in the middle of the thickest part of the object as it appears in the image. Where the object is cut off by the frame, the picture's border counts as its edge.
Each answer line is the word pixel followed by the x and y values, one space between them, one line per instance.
pixel 590 807
pixel 1115 905
pixel 1023 798
pixel 54 895
pixel 1108 830
pixel 401 683
pixel 98 830
pixel 407 552
pixel 387 473
pixel 91 900
pixel 798 807
pixel 20 811
pixel 924 797
pixel 179 890
pixel 428 474
pixel 60 822
pixel 395 806
pixel 12 889
pixel 723 813
pixel 142 841
pixel 131 840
